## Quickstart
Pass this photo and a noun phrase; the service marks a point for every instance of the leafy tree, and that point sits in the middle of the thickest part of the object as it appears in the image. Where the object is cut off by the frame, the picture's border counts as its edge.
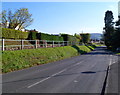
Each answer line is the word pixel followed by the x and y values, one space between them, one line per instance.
pixel 109 19
pixel 21 18
pixel 116 36
pixel 109 28
pixel 85 37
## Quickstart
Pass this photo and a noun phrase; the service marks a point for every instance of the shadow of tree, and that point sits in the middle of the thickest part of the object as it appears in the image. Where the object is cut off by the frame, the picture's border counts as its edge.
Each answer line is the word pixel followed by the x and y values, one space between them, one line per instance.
pixel 88 47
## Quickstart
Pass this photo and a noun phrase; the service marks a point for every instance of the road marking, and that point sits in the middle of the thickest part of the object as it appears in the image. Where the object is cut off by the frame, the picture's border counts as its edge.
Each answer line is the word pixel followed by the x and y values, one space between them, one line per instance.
pixel 75 81
pixel 115 62
pixel 78 63
pixel 46 78
pixel 52 76
pixel 38 82
pixel 110 62
pixel 58 72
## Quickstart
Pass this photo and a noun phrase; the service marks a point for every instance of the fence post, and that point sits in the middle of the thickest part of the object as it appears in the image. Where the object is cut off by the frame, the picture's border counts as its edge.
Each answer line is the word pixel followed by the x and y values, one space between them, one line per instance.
pixel 71 43
pixel 63 43
pixel 46 43
pixel 22 44
pixel 59 43
pixel 53 44
pixel 67 43
pixel 36 44
pixel 3 44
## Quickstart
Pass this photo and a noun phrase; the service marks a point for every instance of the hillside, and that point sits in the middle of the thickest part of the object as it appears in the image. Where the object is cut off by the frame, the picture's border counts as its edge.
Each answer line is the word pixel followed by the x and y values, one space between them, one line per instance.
pixel 97 36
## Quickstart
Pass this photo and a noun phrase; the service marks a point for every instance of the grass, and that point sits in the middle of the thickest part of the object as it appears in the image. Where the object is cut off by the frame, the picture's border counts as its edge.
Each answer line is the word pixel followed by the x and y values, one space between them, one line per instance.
pixel 118 53
pixel 20 59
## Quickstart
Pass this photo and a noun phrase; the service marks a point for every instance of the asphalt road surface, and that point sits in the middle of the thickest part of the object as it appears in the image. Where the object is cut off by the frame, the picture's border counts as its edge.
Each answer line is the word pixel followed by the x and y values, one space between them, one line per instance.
pixel 81 74
pixel 113 85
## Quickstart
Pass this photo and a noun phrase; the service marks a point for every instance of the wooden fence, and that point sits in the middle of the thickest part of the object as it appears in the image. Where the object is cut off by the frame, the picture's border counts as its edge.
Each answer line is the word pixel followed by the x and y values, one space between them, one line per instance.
pixel 10 44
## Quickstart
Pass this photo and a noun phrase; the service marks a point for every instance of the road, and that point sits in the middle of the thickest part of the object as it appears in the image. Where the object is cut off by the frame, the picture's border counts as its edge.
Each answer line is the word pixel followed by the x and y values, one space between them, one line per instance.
pixel 112 86
pixel 81 74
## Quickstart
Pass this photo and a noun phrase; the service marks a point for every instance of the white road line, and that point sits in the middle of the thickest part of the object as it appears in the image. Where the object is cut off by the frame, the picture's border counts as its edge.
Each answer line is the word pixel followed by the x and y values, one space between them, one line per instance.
pixel 78 63
pixel 110 61
pixel 38 82
pixel 115 62
pixel 46 78
pixel 51 76
pixel 58 72
pixel 75 81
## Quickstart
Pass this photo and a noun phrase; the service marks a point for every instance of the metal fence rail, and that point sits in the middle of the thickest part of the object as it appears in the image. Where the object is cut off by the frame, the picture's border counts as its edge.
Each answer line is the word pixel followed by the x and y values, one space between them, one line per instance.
pixel 10 44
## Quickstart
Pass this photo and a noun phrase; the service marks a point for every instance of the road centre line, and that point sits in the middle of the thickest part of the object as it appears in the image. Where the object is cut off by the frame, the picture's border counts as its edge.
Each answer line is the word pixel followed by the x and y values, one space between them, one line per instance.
pixel 46 78
pixel 58 72
pixel 52 75
pixel 78 63
pixel 38 82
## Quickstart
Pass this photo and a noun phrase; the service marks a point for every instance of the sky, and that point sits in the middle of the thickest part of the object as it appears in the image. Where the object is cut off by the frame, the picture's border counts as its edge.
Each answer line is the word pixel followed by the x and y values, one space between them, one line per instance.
pixel 66 17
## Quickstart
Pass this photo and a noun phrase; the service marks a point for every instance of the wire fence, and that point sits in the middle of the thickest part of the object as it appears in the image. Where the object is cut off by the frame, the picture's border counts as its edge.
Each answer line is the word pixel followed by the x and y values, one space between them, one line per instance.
pixel 10 44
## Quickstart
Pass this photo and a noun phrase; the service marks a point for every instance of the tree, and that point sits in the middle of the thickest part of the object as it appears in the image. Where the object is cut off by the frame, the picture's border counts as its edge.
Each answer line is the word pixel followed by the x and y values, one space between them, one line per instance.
pixel 116 36
pixel 108 19
pixel 21 18
pixel 109 28
pixel 85 37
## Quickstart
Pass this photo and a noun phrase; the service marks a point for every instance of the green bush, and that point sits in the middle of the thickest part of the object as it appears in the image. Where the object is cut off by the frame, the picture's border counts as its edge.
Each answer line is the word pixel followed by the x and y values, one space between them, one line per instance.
pixel 85 37
pixel 20 59
pixel 13 34
pixel 70 38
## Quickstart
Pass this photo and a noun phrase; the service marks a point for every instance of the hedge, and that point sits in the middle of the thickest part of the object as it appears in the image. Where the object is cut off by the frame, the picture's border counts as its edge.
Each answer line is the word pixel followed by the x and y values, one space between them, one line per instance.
pixel 70 38
pixel 32 35
pixel 67 37
pixel 43 36
pixel 14 34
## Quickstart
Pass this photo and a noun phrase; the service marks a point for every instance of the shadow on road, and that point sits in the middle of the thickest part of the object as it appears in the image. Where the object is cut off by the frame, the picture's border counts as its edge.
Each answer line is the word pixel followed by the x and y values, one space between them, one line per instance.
pixel 92 72
pixel 100 51
pixel 97 51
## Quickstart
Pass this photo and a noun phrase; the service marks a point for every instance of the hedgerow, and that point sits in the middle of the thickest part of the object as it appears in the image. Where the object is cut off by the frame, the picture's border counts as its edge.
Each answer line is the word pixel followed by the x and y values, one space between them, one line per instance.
pixel 43 36
pixel 14 34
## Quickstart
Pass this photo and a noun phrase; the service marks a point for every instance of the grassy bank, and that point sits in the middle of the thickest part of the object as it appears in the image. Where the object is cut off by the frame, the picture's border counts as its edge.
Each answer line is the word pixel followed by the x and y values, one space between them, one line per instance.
pixel 20 59
pixel 118 53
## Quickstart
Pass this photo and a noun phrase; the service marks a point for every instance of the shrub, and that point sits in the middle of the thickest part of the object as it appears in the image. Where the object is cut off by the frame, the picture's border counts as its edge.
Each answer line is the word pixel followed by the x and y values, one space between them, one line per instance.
pixel 13 34
pixel 32 35
pixel 85 37
pixel 69 38
pixel 43 36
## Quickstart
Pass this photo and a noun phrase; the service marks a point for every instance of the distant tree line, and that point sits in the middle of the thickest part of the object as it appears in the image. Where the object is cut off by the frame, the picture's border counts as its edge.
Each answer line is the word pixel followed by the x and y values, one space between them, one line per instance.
pixel 111 31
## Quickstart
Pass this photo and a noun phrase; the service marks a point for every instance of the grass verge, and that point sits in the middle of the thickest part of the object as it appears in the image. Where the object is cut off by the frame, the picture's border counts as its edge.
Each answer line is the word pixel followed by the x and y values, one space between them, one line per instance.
pixel 20 59
pixel 118 53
